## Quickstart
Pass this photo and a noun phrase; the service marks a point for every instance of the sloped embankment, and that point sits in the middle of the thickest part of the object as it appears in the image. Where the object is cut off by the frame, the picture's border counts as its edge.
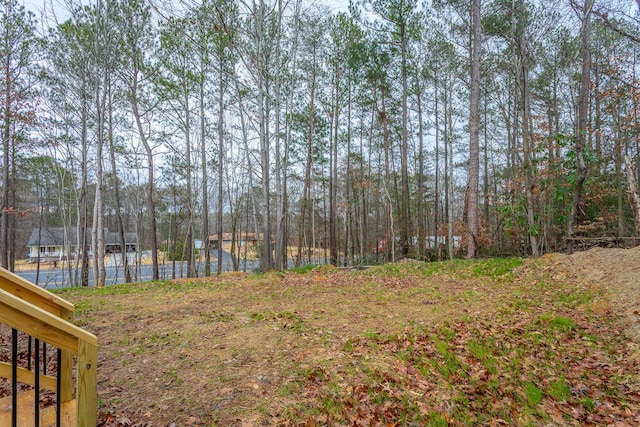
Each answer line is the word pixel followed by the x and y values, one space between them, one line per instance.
pixel 616 271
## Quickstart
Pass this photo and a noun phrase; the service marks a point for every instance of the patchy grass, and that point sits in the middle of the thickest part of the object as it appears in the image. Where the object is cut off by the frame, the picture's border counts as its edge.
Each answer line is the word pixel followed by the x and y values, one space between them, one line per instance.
pixel 302 270
pixel 559 389
pixel 496 267
pixel 495 342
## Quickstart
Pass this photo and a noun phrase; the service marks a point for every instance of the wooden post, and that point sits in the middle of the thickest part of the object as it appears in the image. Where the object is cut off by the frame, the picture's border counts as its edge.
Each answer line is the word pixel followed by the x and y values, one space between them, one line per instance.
pixel 86 384
pixel 66 366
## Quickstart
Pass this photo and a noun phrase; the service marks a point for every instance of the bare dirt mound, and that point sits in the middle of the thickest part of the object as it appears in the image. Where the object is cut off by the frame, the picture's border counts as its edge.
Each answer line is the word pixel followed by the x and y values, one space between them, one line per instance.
pixel 617 271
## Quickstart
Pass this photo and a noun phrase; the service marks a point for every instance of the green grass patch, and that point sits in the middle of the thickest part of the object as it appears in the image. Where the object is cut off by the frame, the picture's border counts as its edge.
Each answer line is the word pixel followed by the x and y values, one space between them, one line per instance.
pixel 386 270
pixel 559 390
pixel 290 320
pixel 371 335
pixel 437 420
pixel 256 316
pixel 588 403
pixel 557 323
pixel 417 268
pixel 483 354
pixel 448 363
pixel 447 333
pixel 576 297
pixel 563 323
pixel 89 305
pixel 496 267
pixel 119 289
pixel 533 394
pixel 348 346
pixel 302 269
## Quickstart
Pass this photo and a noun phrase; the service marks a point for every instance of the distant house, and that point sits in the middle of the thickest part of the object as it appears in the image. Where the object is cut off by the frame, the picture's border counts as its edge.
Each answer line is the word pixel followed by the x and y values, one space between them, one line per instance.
pixel 434 241
pixel 241 239
pixel 51 243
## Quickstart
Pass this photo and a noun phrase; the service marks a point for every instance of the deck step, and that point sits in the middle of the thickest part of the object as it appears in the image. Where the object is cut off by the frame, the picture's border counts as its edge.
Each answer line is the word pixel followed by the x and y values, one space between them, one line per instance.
pixel 26 412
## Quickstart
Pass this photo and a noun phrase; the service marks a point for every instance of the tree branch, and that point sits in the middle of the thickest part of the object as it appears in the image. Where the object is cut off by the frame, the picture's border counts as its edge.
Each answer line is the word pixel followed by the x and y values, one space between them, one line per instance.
pixel 614 27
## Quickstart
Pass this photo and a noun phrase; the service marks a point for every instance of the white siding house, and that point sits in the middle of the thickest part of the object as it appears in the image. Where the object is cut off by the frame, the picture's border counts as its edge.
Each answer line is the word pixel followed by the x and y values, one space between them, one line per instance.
pixel 57 243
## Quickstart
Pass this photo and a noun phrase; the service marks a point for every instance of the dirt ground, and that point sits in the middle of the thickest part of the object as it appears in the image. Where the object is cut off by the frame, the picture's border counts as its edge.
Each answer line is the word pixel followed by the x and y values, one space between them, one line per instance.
pixel 617 271
pixel 238 349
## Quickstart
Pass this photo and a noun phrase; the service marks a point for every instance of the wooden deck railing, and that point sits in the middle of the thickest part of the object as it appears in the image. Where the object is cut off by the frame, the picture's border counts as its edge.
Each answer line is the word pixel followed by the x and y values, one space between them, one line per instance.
pixel 47 317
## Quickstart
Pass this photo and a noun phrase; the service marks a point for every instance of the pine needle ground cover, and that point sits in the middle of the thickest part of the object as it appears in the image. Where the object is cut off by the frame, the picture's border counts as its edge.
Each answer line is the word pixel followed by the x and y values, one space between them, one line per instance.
pixel 551 341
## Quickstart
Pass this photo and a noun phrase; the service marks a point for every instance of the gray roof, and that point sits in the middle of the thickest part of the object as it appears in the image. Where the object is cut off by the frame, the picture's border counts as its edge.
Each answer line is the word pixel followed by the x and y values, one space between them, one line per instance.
pixel 54 236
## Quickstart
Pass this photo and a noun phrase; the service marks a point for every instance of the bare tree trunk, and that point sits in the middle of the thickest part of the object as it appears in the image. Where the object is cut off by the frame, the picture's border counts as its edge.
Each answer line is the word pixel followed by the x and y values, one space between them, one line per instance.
pixel 280 166
pixel 405 210
pixel 260 72
pixel 6 185
pixel 390 235
pixel 363 195
pixel 6 144
pixel 632 193
pixel 264 107
pixel 449 116
pixel 249 163
pixel 528 144
pixel 205 175
pixel 618 160
pixel 150 181
pixel 581 126
pixel 116 196
pixel 266 256
pixel 349 245
pixel 134 33
pixel 97 241
pixel 485 175
pixel 307 169
pixel 420 205
pixel 598 112
pixel 188 244
pixel 474 133
pixel 220 164
pixel 97 232
pixel 245 138
pixel 102 57
pixel 436 189
pixel 333 174
pixel 82 233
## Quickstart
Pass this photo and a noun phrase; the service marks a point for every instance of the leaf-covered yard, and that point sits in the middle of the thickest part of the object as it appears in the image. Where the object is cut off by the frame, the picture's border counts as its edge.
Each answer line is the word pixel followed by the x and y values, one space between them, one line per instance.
pixel 551 341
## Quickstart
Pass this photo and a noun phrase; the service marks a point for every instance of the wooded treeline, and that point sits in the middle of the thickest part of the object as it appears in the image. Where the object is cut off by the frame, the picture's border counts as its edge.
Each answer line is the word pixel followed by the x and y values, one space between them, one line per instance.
pixel 335 137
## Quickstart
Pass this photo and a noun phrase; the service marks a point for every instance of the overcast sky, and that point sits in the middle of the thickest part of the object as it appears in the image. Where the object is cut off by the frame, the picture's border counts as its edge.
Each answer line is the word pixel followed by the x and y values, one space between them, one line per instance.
pixel 338 5
pixel 38 6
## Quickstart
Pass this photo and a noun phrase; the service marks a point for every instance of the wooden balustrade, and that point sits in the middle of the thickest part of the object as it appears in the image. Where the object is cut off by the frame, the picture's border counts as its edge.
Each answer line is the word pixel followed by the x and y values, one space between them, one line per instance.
pixel 47 317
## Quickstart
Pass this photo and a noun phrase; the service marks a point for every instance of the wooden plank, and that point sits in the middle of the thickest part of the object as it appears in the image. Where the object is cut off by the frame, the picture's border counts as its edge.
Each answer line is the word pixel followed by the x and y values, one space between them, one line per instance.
pixel 66 376
pixel 28 377
pixel 41 324
pixel 26 413
pixel 86 384
pixel 67 417
pixel 14 318
pixel 37 296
